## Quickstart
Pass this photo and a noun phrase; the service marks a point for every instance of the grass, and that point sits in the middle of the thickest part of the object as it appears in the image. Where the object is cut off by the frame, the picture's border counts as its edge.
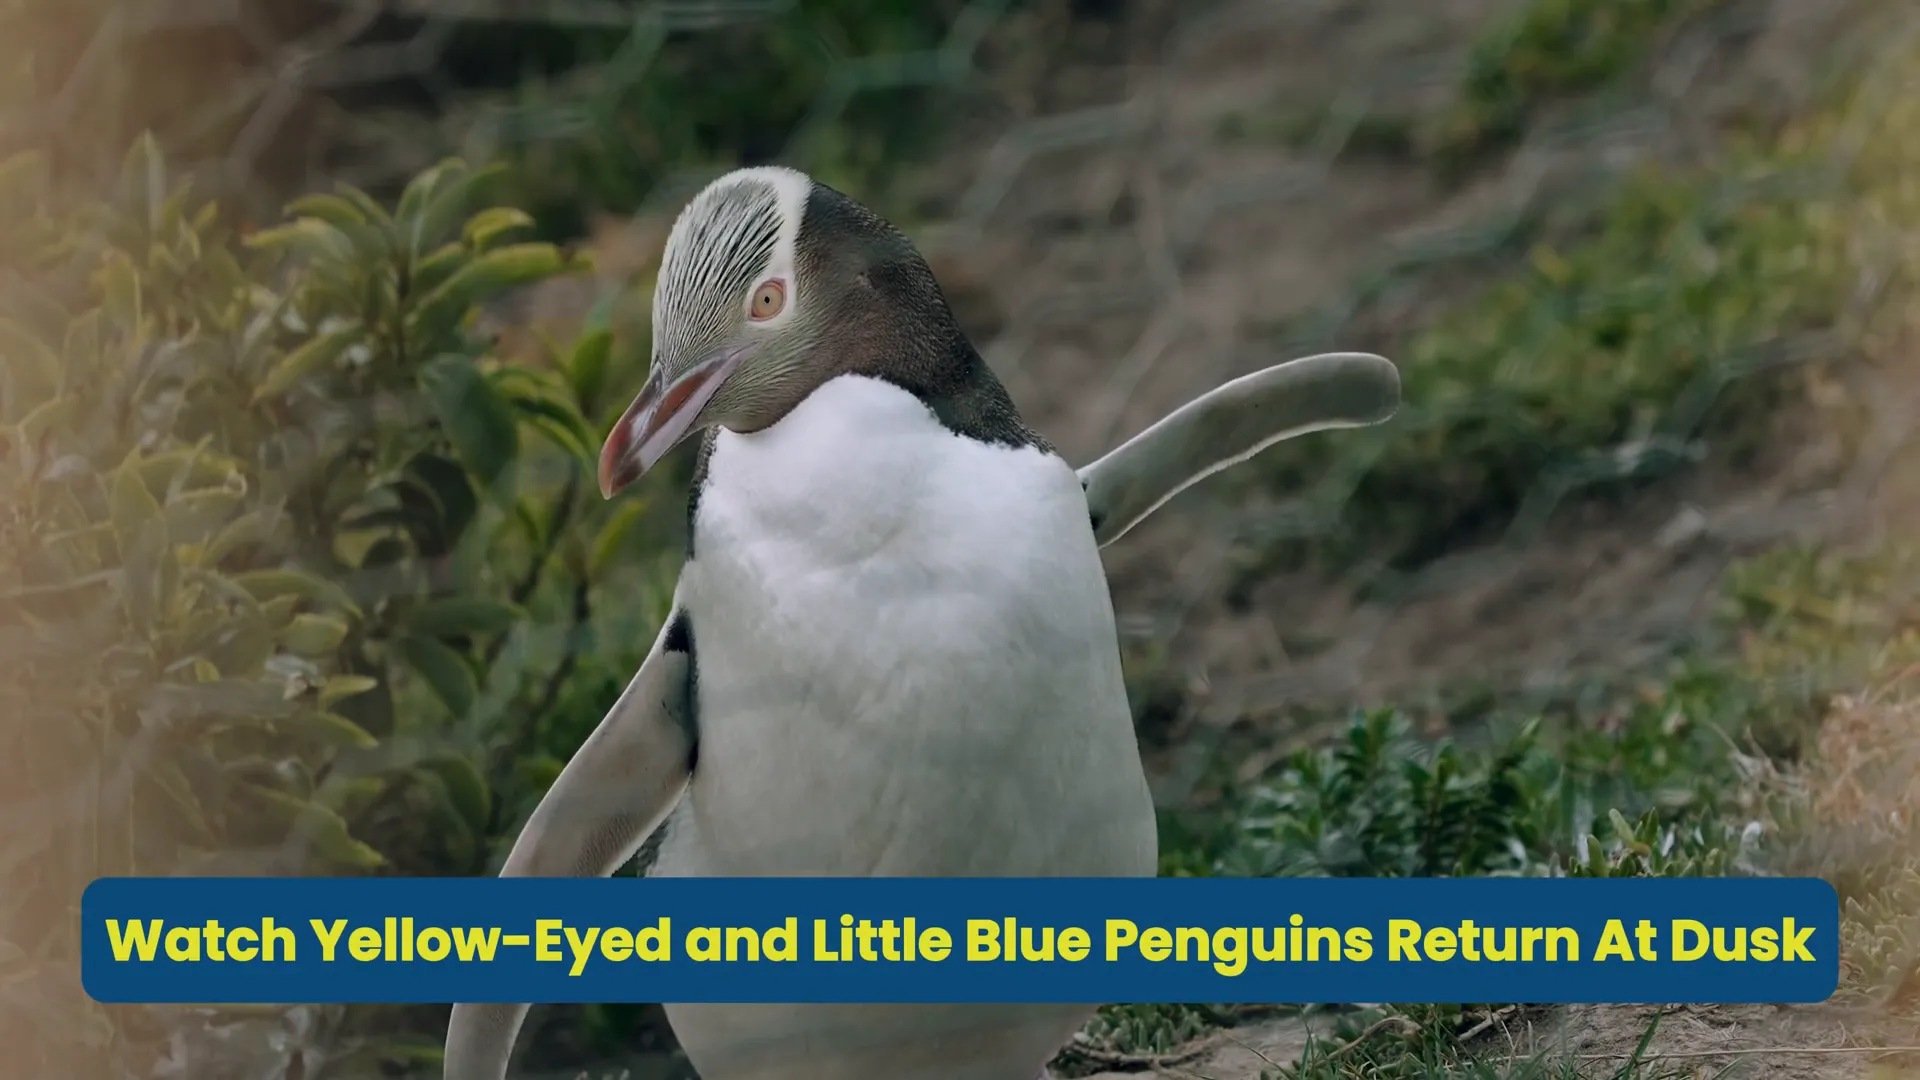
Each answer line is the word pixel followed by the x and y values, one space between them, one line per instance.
pixel 1605 357
pixel 1731 764
pixel 1669 321
pixel 1548 49
pixel 1625 341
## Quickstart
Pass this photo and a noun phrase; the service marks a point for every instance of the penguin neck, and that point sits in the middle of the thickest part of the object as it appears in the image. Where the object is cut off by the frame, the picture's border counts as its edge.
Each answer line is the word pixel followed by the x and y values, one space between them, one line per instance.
pixel 905 334
pixel 966 397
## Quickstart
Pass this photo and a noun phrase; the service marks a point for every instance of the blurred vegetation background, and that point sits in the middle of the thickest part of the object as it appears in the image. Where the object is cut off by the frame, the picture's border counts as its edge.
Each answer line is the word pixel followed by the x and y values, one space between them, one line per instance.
pixel 313 314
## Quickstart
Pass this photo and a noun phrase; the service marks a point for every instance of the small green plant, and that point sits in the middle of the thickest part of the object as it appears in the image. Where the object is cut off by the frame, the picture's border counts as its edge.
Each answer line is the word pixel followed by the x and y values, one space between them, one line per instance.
pixel 1383 803
pixel 1148 1029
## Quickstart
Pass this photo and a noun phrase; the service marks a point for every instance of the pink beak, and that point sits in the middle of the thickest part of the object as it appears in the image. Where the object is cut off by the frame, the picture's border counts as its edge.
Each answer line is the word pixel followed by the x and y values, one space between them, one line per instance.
pixel 660 418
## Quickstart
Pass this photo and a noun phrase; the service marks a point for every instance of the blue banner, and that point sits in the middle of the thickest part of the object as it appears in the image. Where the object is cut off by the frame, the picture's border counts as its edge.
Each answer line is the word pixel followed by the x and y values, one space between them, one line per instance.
pixel 196 940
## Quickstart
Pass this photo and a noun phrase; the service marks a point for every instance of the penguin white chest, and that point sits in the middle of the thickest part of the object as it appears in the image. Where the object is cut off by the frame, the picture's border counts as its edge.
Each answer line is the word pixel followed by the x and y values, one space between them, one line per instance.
pixel 906 657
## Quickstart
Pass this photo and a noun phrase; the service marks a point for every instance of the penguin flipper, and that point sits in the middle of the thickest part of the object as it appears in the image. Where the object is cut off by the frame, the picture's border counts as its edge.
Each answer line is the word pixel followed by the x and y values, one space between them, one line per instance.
pixel 1230 424
pixel 614 793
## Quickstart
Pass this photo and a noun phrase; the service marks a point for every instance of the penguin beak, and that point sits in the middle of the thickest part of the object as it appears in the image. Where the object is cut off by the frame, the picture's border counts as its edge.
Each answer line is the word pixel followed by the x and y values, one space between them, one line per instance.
pixel 661 417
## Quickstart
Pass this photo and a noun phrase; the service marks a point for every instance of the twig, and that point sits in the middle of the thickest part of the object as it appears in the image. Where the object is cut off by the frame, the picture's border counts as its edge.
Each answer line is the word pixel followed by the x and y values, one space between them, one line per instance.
pixel 1123 1060
pixel 1372 1029
pixel 1251 1049
pixel 1492 1017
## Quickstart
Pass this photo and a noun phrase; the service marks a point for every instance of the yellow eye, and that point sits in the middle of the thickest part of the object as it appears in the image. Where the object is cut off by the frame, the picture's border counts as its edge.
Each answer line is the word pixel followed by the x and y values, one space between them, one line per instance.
pixel 768 299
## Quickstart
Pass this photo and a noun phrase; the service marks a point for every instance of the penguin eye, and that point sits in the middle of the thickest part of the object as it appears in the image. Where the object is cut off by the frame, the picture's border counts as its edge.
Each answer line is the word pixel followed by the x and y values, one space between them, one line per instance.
pixel 768 299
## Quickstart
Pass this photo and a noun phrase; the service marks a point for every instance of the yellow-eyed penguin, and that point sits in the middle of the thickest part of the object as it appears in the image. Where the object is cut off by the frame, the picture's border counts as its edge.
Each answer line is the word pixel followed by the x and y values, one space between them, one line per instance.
pixel 891 650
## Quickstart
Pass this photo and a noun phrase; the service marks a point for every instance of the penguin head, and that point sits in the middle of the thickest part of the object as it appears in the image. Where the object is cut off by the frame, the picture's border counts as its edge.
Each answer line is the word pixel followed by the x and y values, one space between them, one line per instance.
pixel 771 283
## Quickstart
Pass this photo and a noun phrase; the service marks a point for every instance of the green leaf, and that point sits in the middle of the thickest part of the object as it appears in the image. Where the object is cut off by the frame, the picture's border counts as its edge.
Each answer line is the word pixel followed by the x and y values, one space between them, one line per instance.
pixel 145 574
pixel 167 778
pixel 318 352
pixel 1622 831
pixel 33 364
pixel 613 535
pixel 466 789
pixel 370 211
pixel 267 584
pixel 475 418
pixel 80 351
pixel 482 277
pixel 193 516
pixel 340 687
pixel 371 239
pixel 449 822
pixel 314 635
pixel 443 209
pixel 462 616
pixel 587 367
pixel 538 773
pixel 487 225
pixel 568 437
pixel 332 209
pixel 253 527
pixel 143 180
pixel 237 700
pixel 434 269
pixel 334 730
pixel 130 504
pixel 278 612
pixel 324 830
pixel 542 400
pixel 191 467
pixel 560 423
pixel 443 669
pixel 119 287
pixel 413 199
pixel 351 796
pixel 450 487
pixel 311 238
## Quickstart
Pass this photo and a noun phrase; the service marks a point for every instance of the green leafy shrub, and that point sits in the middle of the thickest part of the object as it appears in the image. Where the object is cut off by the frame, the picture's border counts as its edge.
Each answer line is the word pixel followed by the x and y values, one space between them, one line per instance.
pixel 1674 776
pixel 1648 798
pixel 274 519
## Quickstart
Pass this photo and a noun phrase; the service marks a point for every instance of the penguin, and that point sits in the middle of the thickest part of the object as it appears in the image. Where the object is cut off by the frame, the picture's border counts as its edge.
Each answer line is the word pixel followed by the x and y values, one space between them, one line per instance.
pixel 891 649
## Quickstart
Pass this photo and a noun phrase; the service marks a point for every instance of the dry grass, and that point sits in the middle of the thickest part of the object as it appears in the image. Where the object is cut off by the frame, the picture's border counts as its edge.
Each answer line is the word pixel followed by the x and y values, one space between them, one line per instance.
pixel 1866 773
